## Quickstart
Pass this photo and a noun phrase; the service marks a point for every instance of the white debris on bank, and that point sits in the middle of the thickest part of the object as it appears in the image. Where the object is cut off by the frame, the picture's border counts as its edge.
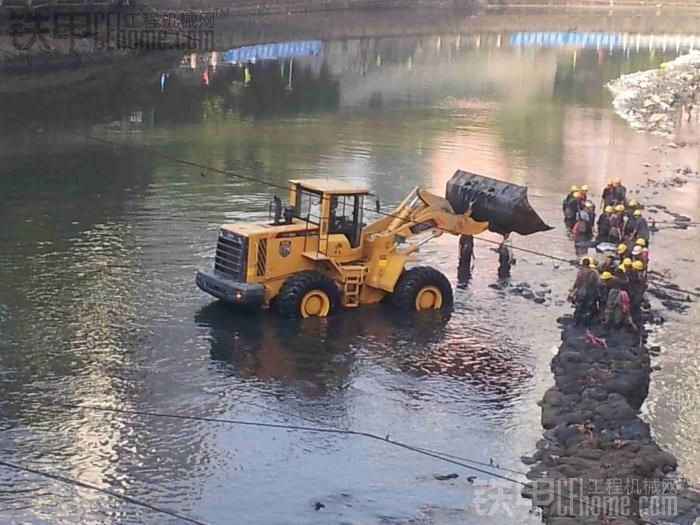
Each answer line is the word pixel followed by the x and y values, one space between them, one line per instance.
pixel 655 100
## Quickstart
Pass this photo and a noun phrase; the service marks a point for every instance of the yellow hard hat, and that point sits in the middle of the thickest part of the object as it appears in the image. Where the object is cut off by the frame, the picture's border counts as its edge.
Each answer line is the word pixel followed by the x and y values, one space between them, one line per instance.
pixel 621 248
pixel 574 188
pixel 637 213
pixel 610 182
pixel 640 242
pixel 632 203
pixel 577 194
pixel 620 207
pixel 627 262
pixel 617 181
pixel 584 187
pixel 608 209
pixel 638 265
pixel 622 268
pixel 592 266
pixel 589 204
pixel 606 276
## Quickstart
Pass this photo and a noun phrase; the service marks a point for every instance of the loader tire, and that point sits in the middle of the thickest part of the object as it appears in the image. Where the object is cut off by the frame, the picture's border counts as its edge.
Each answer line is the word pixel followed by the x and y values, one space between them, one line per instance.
pixel 422 288
pixel 307 294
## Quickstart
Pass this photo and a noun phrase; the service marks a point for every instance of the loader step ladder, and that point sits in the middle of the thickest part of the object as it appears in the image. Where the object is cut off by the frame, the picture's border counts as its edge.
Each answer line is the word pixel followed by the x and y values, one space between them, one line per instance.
pixel 354 275
pixel 316 256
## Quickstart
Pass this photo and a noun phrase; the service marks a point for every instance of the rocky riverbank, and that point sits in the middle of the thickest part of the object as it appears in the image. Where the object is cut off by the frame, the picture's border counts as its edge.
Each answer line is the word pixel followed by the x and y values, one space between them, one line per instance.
pixel 597 462
pixel 656 100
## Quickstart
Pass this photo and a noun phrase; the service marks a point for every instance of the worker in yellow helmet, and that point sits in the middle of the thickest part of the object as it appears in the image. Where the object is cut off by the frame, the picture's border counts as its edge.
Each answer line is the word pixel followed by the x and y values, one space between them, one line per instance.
pixel 643 252
pixel 608 264
pixel 617 224
pixel 640 228
pixel 622 253
pixel 619 191
pixel 584 191
pixel 603 291
pixel 636 286
pixel 618 311
pixel 608 197
pixel 570 207
pixel 584 293
pixel 583 227
pixel 634 222
pixel 590 209
pixel 604 224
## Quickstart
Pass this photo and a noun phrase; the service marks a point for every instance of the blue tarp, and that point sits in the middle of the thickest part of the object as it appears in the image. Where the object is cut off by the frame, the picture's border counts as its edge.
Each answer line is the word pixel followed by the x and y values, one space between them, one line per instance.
pixel 569 39
pixel 273 51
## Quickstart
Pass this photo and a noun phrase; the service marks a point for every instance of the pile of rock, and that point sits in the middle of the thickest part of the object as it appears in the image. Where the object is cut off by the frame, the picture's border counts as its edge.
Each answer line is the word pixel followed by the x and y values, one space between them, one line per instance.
pixel 597 462
pixel 656 99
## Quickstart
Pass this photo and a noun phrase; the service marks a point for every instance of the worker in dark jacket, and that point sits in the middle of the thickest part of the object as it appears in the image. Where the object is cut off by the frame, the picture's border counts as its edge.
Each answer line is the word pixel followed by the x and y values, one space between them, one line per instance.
pixel 631 206
pixel 570 207
pixel 637 277
pixel 619 191
pixel 604 224
pixel 631 224
pixel 582 228
pixel 590 208
pixel 466 257
pixel 603 291
pixel 608 198
pixel 584 293
pixel 609 264
pixel 641 228
pixel 505 258
pixel 617 224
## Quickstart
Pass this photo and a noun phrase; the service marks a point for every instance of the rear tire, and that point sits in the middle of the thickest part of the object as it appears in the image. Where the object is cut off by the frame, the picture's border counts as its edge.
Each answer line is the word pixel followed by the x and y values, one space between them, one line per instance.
pixel 422 288
pixel 307 294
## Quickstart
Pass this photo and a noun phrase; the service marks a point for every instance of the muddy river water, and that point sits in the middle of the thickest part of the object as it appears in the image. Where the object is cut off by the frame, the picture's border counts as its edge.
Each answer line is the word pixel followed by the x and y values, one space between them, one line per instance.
pixel 99 245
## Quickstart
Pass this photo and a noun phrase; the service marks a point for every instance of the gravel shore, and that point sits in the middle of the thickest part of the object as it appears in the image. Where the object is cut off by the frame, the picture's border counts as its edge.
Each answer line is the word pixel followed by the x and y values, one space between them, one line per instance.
pixel 656 100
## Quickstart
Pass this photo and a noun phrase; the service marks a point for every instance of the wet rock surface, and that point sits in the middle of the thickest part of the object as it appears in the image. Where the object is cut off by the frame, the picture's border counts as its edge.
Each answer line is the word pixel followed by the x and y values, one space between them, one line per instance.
pixel 596 451
pixel 655 100
pixel 539 294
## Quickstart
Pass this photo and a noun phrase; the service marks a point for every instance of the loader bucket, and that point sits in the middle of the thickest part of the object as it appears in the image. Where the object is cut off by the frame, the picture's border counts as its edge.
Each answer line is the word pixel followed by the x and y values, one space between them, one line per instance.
pixel 503 205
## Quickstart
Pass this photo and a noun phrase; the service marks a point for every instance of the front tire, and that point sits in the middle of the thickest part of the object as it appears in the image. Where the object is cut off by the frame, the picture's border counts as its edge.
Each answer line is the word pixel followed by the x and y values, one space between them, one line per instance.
pixel 307 294
pixel 422 288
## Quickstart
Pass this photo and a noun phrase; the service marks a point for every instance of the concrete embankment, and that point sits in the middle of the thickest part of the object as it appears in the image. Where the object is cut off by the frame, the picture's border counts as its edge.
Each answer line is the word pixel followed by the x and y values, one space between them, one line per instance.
pixel 597 462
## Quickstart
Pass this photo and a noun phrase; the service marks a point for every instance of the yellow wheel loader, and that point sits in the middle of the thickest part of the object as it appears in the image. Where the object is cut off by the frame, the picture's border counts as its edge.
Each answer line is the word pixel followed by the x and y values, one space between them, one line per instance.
pixel 316 255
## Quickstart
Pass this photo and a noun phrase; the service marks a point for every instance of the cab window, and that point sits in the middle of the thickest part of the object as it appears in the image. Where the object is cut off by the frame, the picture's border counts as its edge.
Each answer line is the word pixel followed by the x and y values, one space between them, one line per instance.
pixel 346 217
pixel 308 206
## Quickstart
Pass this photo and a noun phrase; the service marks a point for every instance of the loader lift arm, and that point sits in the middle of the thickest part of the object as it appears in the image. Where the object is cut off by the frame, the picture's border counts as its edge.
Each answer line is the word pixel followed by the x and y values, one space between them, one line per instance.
pixel 423 212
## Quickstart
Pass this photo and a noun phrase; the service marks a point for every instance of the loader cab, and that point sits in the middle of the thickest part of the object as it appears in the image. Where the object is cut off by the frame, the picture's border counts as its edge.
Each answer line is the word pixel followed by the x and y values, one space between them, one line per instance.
pixel 334 206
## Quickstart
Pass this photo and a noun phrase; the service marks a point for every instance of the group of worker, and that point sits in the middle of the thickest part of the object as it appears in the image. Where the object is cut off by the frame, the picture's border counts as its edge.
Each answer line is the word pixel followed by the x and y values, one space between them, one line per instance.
pixel 612 291
pixel 622 220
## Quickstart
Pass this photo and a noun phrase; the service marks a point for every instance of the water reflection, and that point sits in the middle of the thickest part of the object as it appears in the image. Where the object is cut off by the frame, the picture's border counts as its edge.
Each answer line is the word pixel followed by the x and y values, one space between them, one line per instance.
pixel 320 355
